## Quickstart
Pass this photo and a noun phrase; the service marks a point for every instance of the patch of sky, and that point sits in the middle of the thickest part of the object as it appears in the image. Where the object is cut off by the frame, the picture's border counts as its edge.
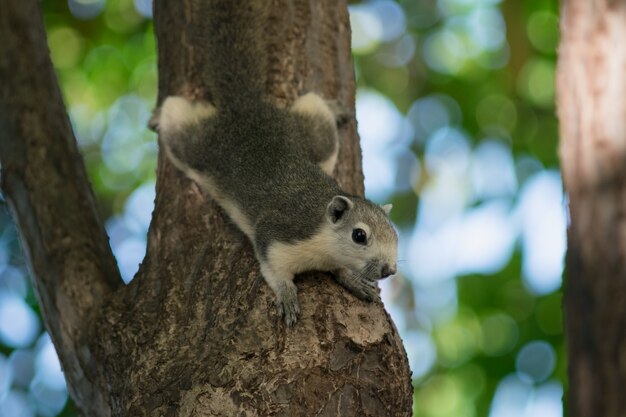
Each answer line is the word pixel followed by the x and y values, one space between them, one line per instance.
pixel 485 238
pixel 421 352
pixel 391 16
pixel 385 139
pixel 536 361
pixel 6 376
pixel 444 52
pixel 41 372
pixel 516 397
pixel 446 193
pixel 431 113
pixel 438 302
pixel 127 232
pixel 374 22
pixel 472 31
pixel 543 219
pixel 129 255
pixel 123 147
pixel 22 363
pixel 547 401
pixel 4 254
pixel 431 261
pixel 138 208
pixel 86 9
pixel 144 7
pixel 13 280
pixel 451 239
pixel 492 171
pixel 16 404
pixel 88 127
pixel 19 325
pixel 526 167
pixel 486 28
pixel 32 382
pixel 397 53
pixel 367 29
pixel 47 366
pixel 49 401
pixel 454 7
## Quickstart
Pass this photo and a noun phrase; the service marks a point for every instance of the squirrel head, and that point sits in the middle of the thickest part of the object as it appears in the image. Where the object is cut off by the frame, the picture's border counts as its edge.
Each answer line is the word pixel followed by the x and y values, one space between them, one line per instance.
pixel 366 241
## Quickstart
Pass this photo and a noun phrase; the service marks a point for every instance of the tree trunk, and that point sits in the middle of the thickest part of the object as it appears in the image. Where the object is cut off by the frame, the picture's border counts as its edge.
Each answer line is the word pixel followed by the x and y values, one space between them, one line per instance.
pixel 196 332
pixel 592 112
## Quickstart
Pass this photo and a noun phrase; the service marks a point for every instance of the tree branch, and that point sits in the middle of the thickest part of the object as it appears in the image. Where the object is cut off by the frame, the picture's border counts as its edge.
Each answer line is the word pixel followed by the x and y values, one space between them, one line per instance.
pixel 44 180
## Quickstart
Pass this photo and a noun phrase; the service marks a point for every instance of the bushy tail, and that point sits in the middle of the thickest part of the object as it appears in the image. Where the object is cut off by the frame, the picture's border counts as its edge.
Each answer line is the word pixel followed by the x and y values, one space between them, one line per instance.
pixel 236 55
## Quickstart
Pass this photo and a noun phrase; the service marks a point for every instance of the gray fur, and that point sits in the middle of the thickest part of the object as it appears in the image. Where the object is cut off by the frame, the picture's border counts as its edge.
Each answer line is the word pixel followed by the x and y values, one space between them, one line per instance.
pixel 237 77
pixel 262 151
pixel 268 168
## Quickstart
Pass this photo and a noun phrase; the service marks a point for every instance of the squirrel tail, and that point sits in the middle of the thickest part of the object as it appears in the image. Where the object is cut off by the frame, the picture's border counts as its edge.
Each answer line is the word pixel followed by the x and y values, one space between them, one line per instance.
pixel 236 59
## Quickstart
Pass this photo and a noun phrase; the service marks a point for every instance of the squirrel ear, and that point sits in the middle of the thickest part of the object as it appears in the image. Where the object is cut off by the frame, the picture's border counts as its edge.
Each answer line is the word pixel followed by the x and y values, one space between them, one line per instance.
pixel 387 208
pixel 337 207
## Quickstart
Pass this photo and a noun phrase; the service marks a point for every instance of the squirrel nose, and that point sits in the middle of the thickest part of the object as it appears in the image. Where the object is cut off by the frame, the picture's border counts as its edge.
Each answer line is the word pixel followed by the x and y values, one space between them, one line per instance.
pixel 387 271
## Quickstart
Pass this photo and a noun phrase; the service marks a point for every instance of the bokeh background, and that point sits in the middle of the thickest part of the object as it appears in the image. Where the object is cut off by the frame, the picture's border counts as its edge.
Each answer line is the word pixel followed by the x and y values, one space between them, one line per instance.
pixel 456 115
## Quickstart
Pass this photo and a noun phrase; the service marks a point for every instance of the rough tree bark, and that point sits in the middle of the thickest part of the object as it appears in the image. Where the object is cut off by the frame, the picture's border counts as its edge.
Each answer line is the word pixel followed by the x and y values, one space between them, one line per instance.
pixel 44 180
pixel 196 332
pixel 592 112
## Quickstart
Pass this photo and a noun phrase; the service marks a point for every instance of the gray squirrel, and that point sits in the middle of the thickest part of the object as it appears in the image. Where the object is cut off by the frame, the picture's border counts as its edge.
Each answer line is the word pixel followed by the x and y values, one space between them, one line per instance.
pixel 270 168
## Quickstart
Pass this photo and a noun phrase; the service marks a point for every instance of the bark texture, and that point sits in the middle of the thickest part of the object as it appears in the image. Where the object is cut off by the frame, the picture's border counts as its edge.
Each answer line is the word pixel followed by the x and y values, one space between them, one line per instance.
pixel 196 332
pixel 592 112
pixel 44 181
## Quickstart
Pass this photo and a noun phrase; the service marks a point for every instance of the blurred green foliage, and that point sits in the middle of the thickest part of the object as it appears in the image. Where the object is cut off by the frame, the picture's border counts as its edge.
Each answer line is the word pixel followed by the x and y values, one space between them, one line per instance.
pixel 106 64
pixel 506 92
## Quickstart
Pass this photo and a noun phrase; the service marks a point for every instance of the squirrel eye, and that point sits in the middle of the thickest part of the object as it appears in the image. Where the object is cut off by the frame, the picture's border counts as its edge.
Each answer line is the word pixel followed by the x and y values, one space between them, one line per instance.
pixel 359 236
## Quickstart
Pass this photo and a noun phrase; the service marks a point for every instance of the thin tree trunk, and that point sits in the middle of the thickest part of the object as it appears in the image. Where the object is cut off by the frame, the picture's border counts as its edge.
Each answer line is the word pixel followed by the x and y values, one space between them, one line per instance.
pixel 592 112
pixel 196 332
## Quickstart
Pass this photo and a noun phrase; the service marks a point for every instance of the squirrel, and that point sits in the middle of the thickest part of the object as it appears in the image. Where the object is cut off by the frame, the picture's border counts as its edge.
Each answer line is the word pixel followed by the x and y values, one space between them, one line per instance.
pixel 270 168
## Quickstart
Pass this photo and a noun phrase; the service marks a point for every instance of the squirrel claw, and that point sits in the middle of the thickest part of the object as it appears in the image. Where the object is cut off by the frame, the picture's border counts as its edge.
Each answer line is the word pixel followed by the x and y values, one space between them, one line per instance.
pixel 363 289
pixel 289 312
pixel 287 306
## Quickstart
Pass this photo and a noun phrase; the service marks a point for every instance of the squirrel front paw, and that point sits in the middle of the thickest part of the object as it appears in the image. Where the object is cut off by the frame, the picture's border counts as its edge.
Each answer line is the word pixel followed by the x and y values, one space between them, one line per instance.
pixel 362 288
pixel 287 303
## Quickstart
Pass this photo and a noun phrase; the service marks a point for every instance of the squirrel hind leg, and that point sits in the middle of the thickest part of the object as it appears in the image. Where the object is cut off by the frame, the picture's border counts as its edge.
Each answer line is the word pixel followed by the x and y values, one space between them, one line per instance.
pixel 320 119
pixel 177 112
pixel 182 124
pixel 332 111
pixel 328 164
pixel 312 105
